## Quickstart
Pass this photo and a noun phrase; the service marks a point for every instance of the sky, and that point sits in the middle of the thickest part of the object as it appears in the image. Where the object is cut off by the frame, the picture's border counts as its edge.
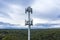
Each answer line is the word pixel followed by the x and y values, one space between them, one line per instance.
pixel 46 13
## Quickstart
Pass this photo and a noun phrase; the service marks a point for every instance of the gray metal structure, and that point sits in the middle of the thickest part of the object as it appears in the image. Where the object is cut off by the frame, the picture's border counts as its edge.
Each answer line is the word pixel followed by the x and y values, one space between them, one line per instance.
pixel 28 22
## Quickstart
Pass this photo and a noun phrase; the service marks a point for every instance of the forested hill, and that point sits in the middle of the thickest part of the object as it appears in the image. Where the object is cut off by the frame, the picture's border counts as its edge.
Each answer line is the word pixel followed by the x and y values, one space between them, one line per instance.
pixel 36 34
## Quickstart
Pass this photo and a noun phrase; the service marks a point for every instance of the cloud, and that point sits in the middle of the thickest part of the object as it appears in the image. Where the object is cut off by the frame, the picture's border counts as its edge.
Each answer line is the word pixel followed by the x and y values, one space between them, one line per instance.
pixel 3 14
pixel 45 5
pixel 4 25
pixel 7 25
pixel 12 13
pixel 24 3
pixel 46 25
pixel 39 20
pixel 46 9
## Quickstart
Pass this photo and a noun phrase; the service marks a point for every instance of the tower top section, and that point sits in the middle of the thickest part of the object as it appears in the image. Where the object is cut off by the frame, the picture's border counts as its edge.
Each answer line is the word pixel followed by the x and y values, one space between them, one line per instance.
pixel 28 9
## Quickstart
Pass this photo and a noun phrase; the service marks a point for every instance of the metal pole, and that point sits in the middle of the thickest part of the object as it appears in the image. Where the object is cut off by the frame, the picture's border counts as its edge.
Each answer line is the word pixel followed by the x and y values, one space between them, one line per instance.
pixel 29 26
pixel 29 33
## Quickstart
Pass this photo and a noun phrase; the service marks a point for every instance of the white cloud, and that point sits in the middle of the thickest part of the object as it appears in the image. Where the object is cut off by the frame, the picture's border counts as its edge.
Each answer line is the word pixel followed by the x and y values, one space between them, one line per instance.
pixel 55 21
pixel 16 12
pixel 39 20
pixel 6 20
pixel 15 9
pixel 4 25
pixel 46 9
pixel 45 5
pixel 55 26
pixel 1 26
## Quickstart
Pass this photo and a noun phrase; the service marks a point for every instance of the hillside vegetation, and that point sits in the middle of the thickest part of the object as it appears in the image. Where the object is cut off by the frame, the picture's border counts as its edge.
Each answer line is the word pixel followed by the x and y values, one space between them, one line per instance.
pixel 36 34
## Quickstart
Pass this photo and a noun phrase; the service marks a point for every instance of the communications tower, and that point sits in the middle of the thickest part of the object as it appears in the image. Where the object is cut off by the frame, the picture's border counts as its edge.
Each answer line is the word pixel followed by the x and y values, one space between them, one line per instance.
pixel 29 22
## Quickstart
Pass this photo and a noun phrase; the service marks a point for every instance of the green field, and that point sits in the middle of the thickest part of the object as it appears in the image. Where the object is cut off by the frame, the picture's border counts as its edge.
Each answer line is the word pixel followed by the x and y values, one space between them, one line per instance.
pixel 36 34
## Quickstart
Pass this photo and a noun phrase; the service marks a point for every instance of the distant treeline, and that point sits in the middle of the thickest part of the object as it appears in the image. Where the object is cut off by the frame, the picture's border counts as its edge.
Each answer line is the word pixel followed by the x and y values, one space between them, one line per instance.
pixel 36 34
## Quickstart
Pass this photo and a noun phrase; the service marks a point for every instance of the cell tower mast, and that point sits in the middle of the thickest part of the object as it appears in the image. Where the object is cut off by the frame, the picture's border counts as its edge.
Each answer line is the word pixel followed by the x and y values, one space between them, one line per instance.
pixel 28 22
